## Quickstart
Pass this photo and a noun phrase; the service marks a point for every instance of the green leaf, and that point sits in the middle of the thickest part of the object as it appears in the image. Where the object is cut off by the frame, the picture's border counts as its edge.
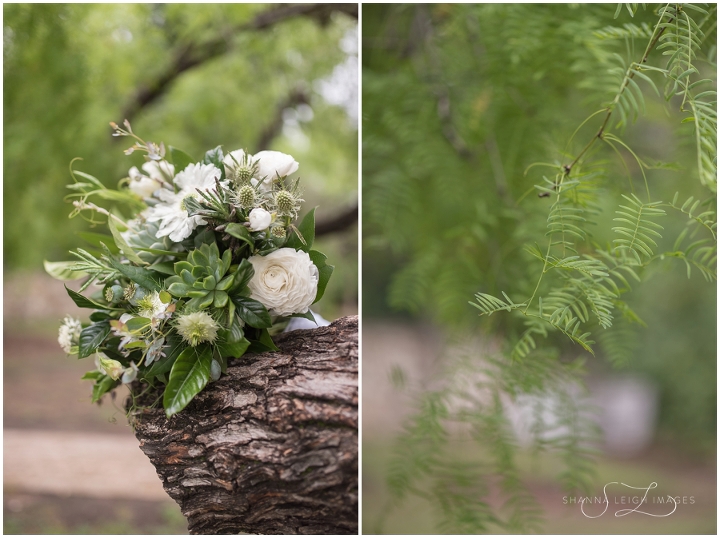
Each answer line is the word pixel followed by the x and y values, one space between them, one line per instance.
pixel 60 271
pixel 98 240
pixel 102 386
pixel 232 342
pixel 215 156
pixel 306 230
pixel 126 249
pixel 262 342
pixel 180 159
pixel 83 302
pixel 150 280
pixel 91 337
pixel 137 324
pixel 165 268
pixel 94 374
pixel 239 231
pixel 307 315
pixel 189 375
pixel 243 274
pixel 252 312
pixel 100 316
pixel 325 272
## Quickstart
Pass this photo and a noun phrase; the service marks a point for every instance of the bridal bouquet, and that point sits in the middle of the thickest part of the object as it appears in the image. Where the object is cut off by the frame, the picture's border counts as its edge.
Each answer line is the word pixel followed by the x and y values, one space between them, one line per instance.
pixel 201 260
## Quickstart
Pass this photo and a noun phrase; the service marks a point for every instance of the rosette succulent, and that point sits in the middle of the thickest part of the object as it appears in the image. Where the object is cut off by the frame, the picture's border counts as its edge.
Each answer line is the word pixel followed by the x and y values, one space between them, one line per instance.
pixel 203 277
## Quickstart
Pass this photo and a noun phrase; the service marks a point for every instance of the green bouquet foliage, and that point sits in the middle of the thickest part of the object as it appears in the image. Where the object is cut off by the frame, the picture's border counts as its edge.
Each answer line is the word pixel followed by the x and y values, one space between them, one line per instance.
pixel 209 264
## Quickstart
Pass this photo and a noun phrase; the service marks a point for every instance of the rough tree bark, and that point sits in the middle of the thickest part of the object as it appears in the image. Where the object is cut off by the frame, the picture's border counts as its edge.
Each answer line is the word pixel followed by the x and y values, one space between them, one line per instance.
pixel 271 447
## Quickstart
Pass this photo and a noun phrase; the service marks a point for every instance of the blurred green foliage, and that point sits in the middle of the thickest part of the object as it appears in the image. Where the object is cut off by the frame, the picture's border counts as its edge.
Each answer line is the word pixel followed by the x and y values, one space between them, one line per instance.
pixel 70 69
pixel 458 102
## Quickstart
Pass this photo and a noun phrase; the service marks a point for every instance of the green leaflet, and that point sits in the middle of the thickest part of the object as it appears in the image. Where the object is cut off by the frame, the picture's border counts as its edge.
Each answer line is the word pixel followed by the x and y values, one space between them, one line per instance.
pixel 102 386
pixel 215 156
pixel 126 249
pixel 306 231
pixel 180 159
pixel 239 231
pixel 61 271
pixel 189 375
pixel 149 280
pixel 325 272
pixel 84 302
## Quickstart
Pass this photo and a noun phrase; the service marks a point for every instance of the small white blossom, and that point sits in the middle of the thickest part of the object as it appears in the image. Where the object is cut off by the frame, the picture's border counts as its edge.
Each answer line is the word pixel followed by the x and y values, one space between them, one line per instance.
pixel 130 373
pixel 285 281
pixel 197 327
pixel 151 307
pixel 69 333
pixel 259 219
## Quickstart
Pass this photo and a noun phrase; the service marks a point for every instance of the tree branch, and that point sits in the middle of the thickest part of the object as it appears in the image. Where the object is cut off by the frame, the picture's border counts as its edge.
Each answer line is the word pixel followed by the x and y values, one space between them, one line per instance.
pixel 338 223
pixel 194 54
pixel 273 128
pixel 272 446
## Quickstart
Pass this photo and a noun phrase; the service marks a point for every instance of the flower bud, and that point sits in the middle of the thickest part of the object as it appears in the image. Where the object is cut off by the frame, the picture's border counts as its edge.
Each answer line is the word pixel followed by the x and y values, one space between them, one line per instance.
pixel 259 219
pixel 113 294
pixel 111 367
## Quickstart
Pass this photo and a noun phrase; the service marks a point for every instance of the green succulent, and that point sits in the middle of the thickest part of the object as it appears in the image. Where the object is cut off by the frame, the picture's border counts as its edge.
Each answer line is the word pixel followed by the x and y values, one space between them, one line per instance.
pixel 146 239
pixel 203 277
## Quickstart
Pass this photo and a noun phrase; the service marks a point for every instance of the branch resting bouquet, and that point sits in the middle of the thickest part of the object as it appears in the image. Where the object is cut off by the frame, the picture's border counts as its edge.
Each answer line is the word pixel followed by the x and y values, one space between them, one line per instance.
pixel 208 264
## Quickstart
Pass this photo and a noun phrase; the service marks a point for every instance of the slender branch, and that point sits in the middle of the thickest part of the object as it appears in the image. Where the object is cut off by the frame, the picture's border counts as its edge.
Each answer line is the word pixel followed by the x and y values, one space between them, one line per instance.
pixel 194 54
pixel 296 97
pixel 629 74
pixel 338 223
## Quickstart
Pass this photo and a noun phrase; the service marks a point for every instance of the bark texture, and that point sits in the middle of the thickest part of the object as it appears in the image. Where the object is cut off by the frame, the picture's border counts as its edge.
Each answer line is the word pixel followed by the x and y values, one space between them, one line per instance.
pixel 271 447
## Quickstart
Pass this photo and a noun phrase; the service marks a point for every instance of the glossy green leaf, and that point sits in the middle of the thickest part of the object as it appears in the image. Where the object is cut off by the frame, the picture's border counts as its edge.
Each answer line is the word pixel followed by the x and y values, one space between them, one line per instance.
pixel 215 156
pixel 239 231
pixel 252 312
pixel 92 337
pixel 307 230
pixel 324 272
pixel 189 375
pixel 83 302
pixel 150 280
pixel 102 386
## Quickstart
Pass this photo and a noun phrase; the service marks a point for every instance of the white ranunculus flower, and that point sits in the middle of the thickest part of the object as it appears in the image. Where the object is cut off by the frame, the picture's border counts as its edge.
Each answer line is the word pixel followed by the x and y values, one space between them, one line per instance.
pixel 285 281
pixel 171 213
pixel 259 219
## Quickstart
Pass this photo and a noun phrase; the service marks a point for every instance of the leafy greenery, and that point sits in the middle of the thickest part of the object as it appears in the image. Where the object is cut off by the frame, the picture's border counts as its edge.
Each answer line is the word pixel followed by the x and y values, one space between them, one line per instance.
pixel 71 68
pixel 504 158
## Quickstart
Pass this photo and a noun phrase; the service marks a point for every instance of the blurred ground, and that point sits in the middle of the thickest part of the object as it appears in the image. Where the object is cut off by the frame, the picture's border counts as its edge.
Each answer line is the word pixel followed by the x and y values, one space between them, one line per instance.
pixel 69 467
pixel 677 470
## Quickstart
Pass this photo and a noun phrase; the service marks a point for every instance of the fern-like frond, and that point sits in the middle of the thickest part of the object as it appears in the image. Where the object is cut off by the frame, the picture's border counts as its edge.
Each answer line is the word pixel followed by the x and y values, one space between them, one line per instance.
pixel 638 230
pixel 488 305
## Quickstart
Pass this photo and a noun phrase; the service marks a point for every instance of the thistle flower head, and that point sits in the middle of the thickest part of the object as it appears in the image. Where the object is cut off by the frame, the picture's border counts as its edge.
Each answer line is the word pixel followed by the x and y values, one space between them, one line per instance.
pixel 197 327
pixel 246 197
pixel 287 203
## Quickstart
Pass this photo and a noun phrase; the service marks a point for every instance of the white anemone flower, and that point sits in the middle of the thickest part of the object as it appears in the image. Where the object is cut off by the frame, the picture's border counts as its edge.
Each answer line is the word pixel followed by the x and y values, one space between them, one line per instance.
pixel 171 212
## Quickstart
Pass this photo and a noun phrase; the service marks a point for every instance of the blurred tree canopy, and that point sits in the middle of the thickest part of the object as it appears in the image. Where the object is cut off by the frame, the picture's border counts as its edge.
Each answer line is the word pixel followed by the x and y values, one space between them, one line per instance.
pixel 253 76
pixel 459 101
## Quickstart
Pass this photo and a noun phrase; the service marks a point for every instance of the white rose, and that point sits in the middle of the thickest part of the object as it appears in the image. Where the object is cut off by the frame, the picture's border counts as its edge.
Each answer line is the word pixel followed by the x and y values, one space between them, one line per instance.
pixel 285 281
pixel 259 219
pixel 272 164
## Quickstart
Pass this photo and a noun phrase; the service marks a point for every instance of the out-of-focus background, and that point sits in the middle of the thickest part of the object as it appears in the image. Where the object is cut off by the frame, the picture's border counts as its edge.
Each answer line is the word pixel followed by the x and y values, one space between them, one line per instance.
pixel 252 76
pixel 458 100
